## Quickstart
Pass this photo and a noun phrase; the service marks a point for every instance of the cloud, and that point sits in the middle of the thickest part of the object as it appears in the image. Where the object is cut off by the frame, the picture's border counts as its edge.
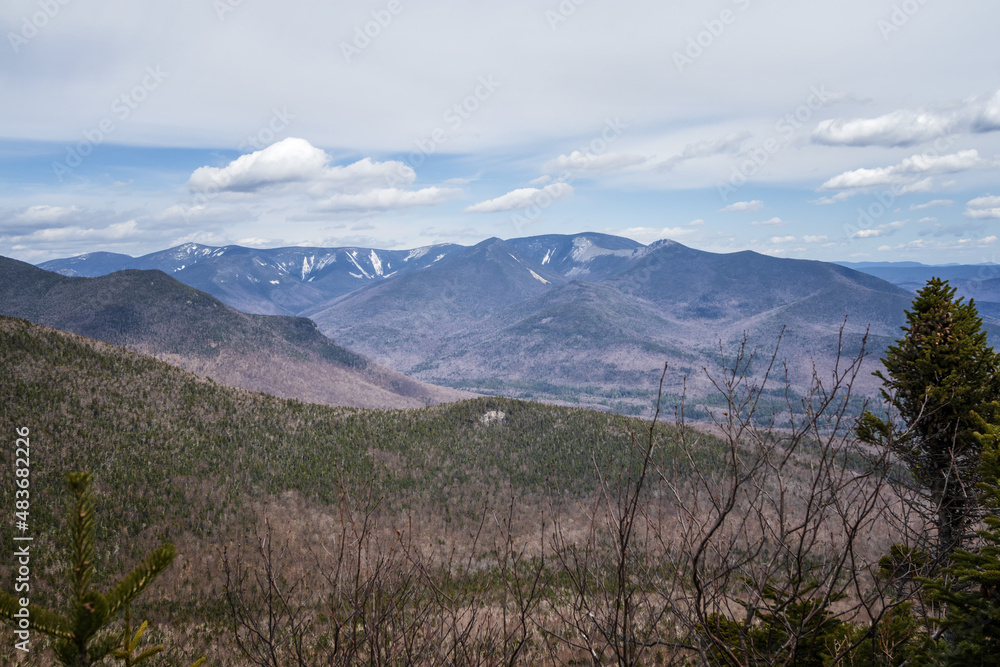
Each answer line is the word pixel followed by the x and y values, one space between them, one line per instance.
pixel 650 234
pixel 906 172
pixel 906 127
pixel 767 223
pixel 729 144
pixel 388 198
pixel 987 115
pixel 113 232
pixel 579 161
pixel 46 214
pixel 983 208
pixel 882 230
pixel 899 128
pixel 837 198
pixel 751 206
pixel 782 239
pixel 933 202
pixel 294 166
pixel 256 242
pixel 595 162
pixel 295 160
pixel 523 198
pixel 288 160
pixel 16 223
pixel 923 244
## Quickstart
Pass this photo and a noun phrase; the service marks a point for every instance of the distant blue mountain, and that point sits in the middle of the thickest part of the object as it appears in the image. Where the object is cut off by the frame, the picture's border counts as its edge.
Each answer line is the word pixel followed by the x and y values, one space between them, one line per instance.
pixel 587 317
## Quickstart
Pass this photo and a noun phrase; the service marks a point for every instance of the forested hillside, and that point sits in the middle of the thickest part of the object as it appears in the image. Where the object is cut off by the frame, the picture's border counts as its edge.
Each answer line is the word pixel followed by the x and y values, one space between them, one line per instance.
pixel 183 458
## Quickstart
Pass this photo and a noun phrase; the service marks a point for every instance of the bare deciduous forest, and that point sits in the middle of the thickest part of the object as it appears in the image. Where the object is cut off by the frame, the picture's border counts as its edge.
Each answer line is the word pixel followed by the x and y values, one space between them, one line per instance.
pixel 494 531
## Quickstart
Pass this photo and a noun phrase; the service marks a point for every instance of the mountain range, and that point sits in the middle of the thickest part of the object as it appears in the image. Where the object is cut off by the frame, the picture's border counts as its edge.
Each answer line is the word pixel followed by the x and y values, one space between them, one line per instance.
pixel 150 312
pixel 584 318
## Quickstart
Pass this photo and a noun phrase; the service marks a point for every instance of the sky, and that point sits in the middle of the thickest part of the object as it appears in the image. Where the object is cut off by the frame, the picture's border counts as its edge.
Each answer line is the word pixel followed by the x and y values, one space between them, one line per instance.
pixel 856 130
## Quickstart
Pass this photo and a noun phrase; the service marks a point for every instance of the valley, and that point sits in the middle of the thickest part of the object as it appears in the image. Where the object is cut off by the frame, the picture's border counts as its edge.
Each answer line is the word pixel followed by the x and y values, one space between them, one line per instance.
pixel 584 319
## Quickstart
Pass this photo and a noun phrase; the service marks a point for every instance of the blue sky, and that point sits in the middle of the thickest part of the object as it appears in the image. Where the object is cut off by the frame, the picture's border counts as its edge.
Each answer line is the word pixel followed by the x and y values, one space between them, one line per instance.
pixel 862 130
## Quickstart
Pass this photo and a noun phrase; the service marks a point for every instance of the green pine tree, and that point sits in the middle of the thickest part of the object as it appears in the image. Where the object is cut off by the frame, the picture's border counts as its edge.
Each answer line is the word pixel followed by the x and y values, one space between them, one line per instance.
pixel 970 587
pixel 82 630
pixel 940 374
pixel 789 628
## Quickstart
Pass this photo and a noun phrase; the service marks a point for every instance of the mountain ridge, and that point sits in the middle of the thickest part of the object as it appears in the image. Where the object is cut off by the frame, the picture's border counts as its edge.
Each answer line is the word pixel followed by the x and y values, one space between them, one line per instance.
pixel 590 314
pixel 152 313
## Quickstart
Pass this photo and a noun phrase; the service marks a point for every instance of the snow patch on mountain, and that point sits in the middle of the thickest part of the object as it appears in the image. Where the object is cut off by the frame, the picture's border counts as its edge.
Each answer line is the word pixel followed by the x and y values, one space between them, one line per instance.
pixel 417 253
pixel 538 277
pixel 376 263
pixel 353 256
pixel 584 250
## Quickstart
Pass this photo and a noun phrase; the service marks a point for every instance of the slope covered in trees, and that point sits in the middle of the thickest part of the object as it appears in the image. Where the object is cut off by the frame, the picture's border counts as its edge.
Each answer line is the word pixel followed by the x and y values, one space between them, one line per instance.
pixel 495 531
pixel 152 313
pixel 437 497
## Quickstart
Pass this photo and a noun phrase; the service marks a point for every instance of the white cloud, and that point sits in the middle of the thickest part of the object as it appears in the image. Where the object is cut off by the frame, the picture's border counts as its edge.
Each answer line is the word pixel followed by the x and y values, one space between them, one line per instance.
pixel 295 160
pixel 254 242
pixel 291 159
pixel 650 234
pixel 899 128
pixel 907 171
pixel 601 162
pixel 767 223
pixel 751 206
pixel 835 199
pixel 983 208
pixel 523 198
pixel 729 144
pixel 933 202
pixel 46 213
pixel 388 198
pixel 782 239
pixel 596 162
pixel 906 127
pixel 987 115
pixel 882 230
pixel 294 166
pixel 114 232
pixel 938 246
pixel 809 238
